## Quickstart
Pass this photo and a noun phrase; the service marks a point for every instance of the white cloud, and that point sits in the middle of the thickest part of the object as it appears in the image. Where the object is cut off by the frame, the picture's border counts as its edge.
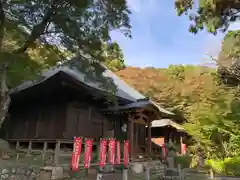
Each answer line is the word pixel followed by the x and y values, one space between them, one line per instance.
pixel 235 26
pixel 161 38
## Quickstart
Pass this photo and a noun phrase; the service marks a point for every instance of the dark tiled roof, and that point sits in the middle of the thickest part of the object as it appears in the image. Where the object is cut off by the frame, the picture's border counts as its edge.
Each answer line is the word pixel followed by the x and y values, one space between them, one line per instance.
pixel 140 104
pixel 123 89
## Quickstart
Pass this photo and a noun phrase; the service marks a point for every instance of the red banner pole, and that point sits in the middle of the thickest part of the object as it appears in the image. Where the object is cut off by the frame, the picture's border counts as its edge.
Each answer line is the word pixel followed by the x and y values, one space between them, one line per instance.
pixel 111 152
pixel 118 158
pixel 103 152
pixel 88 153
pixel 126 153
pixel 183 149
pixel 76 153
pixel 164 151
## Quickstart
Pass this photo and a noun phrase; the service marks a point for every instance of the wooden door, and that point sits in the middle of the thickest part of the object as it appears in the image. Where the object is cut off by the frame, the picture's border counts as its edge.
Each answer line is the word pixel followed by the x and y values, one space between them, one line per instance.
pixel 139 137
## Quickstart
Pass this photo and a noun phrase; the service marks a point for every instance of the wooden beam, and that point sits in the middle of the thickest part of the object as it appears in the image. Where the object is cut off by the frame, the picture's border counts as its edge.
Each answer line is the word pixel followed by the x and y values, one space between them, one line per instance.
pixel 131 136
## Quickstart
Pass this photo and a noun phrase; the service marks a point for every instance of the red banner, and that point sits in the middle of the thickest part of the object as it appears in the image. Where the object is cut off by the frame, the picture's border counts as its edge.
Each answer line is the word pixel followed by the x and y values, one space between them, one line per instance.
pixel 183 149
pixel 103 152
pixel 111 151
pixel 164 151
pixel 118 158
pixel 77 149
pixel 126 153
pixel 88 153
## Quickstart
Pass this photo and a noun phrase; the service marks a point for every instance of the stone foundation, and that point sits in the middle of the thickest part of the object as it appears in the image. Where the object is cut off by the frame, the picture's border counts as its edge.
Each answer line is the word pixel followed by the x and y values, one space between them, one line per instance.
pixel 45 173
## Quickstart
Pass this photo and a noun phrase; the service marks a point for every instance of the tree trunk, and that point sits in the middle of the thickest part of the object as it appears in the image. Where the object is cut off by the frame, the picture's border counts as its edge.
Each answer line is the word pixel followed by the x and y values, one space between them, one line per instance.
pixel 4 94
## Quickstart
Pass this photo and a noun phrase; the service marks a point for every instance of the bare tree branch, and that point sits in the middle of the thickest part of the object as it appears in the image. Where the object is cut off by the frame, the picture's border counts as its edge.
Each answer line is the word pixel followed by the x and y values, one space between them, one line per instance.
pixel 38 29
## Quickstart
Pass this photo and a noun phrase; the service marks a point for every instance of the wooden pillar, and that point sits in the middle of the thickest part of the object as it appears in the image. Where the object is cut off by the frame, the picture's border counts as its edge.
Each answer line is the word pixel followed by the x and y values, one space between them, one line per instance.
pixel 29 147
pixel 44 151
pixel 136 129
pixel 149 137
pixel 56 153
pixel 131 136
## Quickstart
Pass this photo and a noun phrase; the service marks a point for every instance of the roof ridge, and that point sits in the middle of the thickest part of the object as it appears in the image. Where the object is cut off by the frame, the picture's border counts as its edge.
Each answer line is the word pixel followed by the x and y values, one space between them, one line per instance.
pixel 123 89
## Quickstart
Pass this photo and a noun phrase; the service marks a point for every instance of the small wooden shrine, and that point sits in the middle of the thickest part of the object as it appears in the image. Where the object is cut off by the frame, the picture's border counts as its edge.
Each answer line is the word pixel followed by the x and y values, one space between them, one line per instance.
pixel 140 115
pixel 165 130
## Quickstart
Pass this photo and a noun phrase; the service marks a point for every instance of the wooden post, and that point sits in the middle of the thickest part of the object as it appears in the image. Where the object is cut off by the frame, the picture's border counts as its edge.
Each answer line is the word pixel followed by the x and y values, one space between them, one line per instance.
pixel 57 151
pixel 29 147
pixel 131 137
pixel 149 138
pixel 136 126
pixel 17 148
pixel 44 151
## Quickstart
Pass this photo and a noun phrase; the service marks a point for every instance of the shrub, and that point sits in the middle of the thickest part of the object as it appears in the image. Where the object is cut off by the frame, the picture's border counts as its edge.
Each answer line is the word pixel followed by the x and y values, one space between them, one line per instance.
pixel 183 160
pixel 232 166
pixel 227 166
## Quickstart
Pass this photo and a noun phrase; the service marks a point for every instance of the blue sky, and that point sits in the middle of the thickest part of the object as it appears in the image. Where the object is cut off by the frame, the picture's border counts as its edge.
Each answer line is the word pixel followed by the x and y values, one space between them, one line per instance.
pixel 161 38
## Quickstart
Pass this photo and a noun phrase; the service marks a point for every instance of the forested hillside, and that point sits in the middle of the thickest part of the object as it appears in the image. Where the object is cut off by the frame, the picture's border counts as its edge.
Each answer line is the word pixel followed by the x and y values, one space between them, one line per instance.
pixel 209 109
pixel 205 99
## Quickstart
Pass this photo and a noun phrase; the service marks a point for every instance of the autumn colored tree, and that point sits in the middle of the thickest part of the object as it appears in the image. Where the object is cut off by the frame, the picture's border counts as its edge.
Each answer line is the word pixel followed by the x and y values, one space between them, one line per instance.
pixel 207 109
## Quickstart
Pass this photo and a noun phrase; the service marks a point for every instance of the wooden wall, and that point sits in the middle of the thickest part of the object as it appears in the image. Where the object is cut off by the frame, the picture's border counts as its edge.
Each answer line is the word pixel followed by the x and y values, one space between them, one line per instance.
pixel 60 115
pixel 39 120
pixel 83 119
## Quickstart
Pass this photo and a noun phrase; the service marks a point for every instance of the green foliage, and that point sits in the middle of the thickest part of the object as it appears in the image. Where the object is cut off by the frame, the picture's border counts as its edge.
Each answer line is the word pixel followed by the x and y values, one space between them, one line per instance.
pixel 176 71
pixel 227 166
pixel 184 160
pixel 228 59
pixel 114 59
pixel 213 15
pixel 40 33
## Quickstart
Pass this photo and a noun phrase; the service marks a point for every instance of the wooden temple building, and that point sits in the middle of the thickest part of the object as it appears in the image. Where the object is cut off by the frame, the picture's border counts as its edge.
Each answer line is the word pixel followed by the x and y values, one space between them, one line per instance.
pixel 49 112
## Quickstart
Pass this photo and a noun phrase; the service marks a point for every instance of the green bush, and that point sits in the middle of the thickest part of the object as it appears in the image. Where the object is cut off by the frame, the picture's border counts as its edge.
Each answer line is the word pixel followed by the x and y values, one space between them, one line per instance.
pixel 183 160
pixel 232 166
pixel 216 165
pixel 228 166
